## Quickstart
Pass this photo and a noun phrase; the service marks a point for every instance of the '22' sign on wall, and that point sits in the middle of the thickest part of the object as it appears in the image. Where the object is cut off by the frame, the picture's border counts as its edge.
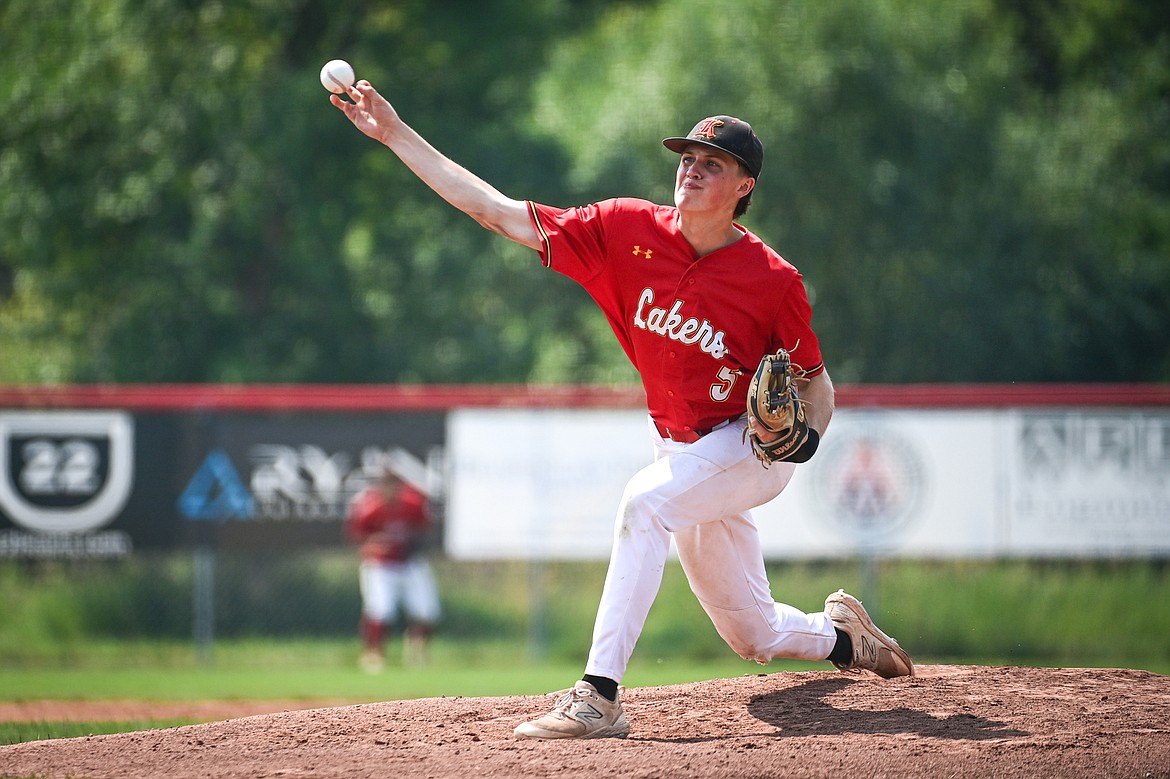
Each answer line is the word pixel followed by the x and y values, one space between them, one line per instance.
pixel 67 472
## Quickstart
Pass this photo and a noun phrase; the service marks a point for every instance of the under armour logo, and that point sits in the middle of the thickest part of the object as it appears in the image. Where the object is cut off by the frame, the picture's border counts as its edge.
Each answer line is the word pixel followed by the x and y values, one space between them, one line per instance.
pixel 706 128
pixel 639 251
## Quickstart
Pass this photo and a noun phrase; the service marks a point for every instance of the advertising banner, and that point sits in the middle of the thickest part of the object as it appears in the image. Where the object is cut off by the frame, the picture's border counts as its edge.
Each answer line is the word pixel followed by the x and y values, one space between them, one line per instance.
pixel 927 483
pixel 1090 483
pixel 64 481
pixel 285 480
pixel 103 483
pixel 531 474
pixel 539 484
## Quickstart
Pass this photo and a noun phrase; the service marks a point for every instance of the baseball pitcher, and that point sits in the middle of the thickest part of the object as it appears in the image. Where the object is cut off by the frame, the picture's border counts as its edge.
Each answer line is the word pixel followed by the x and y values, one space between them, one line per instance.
pixel 719 328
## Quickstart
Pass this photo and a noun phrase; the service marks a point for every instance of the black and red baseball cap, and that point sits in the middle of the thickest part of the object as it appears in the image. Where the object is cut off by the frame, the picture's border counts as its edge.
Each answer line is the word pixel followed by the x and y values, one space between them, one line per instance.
pixel 728 134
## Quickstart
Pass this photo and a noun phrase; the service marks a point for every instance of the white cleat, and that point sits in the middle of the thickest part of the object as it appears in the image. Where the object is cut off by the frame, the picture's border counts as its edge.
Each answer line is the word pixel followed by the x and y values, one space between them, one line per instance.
pixel 581 712
pixel 873 650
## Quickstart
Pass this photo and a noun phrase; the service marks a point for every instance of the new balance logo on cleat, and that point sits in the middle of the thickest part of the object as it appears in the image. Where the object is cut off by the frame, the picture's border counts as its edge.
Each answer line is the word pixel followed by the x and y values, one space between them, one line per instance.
pixel 589 713
pixel 580 712
pixel 868 652
pixel 873 650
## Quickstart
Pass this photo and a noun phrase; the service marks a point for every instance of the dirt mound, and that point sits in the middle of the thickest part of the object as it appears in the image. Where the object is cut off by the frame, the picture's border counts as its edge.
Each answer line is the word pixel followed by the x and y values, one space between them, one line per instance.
pixel 947 721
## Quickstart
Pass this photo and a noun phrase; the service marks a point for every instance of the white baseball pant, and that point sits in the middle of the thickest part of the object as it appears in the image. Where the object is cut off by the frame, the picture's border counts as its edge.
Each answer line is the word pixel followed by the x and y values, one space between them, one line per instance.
pixel 387 588
pixel 701 493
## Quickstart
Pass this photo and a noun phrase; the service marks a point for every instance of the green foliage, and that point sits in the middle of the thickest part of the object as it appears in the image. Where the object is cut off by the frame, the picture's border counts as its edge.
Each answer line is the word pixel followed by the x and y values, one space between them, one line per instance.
pixel 54 608
pixel 955 219
pixel 1069 613
pixel 1073 613
pixel 975 190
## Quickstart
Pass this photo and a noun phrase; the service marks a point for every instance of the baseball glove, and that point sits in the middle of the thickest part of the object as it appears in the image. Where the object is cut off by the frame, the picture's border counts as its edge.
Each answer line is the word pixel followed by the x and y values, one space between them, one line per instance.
pixel 773 403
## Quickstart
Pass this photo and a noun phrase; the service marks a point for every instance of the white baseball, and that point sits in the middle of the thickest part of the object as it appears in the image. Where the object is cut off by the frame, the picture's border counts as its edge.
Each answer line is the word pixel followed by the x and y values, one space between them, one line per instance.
pixel 337 76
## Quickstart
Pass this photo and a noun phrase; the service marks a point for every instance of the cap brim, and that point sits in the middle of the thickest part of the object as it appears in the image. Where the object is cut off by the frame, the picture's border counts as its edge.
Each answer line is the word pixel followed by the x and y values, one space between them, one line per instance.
pixel 679 145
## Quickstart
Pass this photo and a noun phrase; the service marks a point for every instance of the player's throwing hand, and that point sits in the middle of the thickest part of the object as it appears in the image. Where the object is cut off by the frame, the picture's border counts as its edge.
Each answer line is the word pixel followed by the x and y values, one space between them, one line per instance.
pixel 370 112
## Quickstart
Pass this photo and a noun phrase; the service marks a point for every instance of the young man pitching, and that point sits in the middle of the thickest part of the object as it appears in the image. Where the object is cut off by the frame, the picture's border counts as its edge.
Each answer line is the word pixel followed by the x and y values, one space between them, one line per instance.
pixel 700 305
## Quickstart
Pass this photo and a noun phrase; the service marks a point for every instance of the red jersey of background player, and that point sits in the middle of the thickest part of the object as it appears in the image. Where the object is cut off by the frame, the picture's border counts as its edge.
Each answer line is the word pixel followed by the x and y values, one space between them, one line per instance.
pixel 694 327
pixel 388 527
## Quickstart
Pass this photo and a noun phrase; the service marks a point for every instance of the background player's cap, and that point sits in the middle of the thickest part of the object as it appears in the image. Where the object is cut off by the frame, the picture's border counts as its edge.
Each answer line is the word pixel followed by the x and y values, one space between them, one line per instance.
pixel 728 134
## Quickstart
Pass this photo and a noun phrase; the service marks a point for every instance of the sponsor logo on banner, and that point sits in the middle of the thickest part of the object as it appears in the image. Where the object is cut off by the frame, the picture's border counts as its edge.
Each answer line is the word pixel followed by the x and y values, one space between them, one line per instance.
pixel 215 492
pixel 65 472
pixel 1092 482
pixel 870 480
pixel 301 483
pixel 1074 445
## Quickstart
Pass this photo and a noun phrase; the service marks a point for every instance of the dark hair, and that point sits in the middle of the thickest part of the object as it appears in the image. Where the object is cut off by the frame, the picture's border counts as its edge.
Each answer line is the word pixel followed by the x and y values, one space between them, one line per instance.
pixel 745 202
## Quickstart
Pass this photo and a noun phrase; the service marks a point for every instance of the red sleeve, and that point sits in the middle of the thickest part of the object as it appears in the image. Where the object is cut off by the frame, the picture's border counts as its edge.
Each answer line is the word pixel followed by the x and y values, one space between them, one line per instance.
pixel 362 514
pixel 414 506
pixel 793 330
pixel 572 239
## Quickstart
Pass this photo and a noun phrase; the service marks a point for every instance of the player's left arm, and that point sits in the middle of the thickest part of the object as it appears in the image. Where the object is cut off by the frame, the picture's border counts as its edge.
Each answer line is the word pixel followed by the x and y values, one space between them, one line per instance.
pixel 817 400
pixel 820 399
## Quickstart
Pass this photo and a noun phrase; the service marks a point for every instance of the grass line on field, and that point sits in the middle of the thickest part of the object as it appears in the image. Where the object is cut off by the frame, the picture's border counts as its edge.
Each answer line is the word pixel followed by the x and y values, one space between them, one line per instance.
pixel 21 732
pixel 260 674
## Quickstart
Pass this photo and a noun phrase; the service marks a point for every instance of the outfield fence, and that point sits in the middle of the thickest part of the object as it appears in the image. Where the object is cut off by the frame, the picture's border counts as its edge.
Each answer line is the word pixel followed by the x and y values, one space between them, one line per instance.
pixel 923 471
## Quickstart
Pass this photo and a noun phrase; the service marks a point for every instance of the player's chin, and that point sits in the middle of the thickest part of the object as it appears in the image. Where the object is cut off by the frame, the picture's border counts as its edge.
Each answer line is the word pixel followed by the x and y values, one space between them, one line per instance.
pixel 686 197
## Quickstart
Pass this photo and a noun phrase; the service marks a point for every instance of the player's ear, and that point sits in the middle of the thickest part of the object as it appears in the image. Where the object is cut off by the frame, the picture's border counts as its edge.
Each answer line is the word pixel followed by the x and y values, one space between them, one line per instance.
pixel 747 186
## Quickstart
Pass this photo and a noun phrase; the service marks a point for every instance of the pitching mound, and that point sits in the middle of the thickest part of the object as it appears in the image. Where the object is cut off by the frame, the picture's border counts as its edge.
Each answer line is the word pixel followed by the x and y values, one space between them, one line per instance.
pixel 947 721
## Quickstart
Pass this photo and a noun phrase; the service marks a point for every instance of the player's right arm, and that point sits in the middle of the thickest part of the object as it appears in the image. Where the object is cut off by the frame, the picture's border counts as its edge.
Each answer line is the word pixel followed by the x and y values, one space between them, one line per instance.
pixel 373 115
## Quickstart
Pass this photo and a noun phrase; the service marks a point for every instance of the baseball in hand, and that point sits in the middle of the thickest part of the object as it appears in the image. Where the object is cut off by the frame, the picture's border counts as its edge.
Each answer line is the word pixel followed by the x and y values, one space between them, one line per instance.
pixel 337 76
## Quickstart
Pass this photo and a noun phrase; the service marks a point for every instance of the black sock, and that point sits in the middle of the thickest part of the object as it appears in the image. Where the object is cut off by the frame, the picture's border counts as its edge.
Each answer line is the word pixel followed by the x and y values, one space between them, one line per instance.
pixel 842 653
pixel 606 688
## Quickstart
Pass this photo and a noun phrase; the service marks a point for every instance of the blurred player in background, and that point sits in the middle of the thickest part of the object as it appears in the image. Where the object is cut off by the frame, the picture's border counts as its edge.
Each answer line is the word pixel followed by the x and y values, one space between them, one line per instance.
pixel 391 521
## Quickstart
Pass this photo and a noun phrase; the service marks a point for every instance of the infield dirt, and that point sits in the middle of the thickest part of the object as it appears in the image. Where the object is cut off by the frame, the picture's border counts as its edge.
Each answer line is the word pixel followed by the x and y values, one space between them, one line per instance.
pixel 946 721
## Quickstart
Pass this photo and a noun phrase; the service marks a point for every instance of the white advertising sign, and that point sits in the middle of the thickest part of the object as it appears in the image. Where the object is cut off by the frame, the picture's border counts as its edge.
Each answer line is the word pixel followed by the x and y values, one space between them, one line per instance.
pixel 1090 483
pixel 911 483
pixel 537 484
pixel 954 483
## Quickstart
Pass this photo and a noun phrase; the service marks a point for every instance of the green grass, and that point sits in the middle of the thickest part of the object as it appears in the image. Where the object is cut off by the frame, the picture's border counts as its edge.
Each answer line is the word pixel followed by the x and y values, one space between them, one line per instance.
pixel 498 639
pixel 314 672
pixel 325 673
pixel 327 670
pixel 19 732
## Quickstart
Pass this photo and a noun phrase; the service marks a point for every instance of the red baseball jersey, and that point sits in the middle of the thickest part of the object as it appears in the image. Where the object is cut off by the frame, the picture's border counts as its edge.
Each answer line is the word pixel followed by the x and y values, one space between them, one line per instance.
pixel 694 327
pixel 385 528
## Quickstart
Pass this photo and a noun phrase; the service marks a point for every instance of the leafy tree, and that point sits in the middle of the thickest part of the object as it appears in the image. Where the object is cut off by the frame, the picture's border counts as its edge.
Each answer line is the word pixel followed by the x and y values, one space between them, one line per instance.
pixel 180 202
pixel 975 190
pixel 956 219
